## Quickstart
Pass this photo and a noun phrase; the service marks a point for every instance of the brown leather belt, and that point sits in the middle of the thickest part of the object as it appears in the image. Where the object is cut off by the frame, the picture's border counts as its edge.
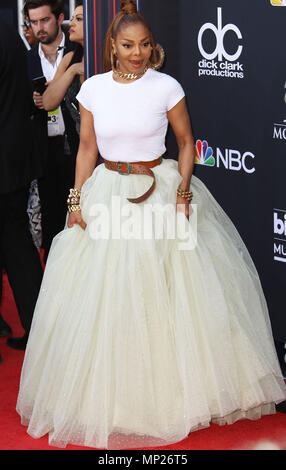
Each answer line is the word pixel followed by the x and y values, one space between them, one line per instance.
pixel 136 168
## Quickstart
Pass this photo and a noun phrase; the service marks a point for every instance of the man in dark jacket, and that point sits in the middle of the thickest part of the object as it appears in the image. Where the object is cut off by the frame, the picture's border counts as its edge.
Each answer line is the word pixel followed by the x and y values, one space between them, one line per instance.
pixel 46 18
pixel 19 165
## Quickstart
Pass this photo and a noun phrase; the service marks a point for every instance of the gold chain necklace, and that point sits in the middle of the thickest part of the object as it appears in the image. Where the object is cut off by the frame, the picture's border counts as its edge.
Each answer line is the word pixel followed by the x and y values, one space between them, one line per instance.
pixel 130 76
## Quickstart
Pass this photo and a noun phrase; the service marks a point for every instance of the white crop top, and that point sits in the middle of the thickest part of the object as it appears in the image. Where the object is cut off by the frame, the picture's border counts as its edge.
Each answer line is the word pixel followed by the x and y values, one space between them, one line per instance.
pixel 130 120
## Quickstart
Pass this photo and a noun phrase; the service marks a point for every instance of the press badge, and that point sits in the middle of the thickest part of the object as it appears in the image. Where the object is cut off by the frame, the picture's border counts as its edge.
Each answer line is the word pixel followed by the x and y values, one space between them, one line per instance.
pixel 53 120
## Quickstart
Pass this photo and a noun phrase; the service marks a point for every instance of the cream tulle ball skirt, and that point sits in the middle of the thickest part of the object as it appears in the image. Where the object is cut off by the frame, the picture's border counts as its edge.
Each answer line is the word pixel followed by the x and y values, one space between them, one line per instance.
pixel 136 342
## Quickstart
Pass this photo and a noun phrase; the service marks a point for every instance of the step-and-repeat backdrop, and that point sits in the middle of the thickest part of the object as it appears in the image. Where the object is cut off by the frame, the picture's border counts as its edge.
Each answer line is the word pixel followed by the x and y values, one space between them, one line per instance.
pixel 230 58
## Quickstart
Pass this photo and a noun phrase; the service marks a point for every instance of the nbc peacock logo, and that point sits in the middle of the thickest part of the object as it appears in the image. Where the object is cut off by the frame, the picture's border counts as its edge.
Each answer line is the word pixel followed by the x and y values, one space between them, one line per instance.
pixel 204 154
pixel 278 3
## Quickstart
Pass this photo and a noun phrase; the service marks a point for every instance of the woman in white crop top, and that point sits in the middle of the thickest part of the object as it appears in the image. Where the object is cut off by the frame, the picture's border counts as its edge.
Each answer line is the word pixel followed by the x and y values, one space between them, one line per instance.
pixel 151 322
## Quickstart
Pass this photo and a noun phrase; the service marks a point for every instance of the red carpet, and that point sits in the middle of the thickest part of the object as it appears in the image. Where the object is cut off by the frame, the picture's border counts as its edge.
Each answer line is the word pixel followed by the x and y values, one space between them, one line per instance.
pixel 241 435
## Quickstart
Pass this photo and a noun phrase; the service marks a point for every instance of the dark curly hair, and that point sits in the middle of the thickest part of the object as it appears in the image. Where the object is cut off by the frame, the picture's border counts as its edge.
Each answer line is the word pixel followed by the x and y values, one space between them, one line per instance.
pixel 55 5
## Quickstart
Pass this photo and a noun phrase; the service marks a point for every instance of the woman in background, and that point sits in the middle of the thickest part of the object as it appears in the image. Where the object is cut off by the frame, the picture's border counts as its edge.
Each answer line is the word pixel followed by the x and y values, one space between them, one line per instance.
pixel 68 80
pixel 28 32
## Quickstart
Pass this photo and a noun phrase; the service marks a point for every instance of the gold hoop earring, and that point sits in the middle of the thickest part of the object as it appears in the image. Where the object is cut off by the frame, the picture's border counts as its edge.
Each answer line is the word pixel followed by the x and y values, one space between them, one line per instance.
pixel 112 56
pixel 161 53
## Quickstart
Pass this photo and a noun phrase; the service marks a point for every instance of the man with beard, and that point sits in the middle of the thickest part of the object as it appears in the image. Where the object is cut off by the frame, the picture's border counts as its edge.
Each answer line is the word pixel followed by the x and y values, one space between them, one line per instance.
pixel 46 18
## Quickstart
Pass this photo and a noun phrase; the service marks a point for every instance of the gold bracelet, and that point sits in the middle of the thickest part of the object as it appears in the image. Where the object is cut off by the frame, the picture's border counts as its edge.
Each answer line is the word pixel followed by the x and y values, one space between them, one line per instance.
pixel 75 192
pixel 74 208
pixel 74 197
pixel 186 194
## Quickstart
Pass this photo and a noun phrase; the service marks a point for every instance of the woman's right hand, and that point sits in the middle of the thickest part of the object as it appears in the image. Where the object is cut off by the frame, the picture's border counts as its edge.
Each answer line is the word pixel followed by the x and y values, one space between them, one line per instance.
pixel 78 68
pixel 76 218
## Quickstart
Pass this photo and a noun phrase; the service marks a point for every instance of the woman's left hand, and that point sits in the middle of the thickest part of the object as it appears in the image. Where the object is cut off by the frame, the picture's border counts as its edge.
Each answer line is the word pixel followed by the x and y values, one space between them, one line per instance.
pixel 183 205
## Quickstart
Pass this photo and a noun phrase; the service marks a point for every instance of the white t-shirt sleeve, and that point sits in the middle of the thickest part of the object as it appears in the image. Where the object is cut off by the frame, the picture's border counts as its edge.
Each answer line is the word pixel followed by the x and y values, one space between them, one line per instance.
pixel 83 95
pixel 175 93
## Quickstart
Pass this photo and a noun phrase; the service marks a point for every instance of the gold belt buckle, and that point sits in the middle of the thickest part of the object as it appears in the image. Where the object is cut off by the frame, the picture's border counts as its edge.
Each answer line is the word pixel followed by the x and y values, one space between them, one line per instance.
pixel 119 169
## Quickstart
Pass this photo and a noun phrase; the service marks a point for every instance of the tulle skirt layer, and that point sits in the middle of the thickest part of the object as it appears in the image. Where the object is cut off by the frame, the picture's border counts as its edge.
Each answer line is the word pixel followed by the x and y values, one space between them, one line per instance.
pixel 138 340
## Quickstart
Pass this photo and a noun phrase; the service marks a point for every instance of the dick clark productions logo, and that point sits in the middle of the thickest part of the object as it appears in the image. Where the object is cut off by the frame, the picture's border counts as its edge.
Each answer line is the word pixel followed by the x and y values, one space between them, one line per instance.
pixel 220 62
